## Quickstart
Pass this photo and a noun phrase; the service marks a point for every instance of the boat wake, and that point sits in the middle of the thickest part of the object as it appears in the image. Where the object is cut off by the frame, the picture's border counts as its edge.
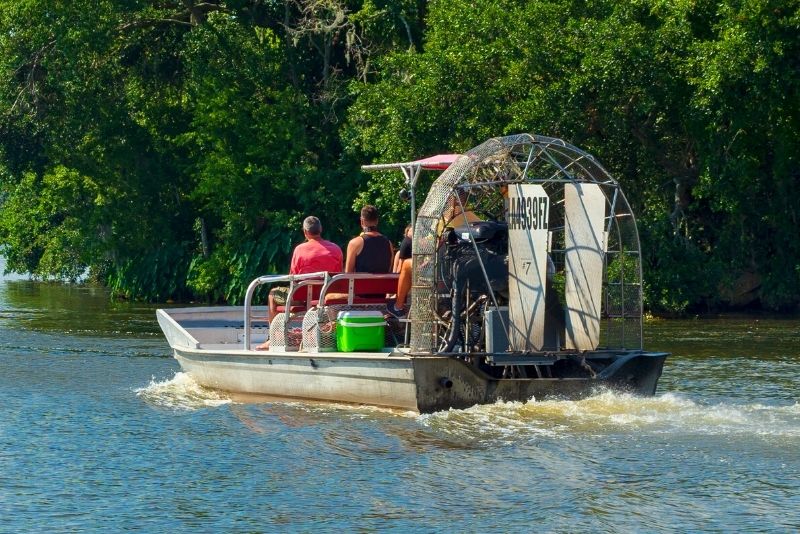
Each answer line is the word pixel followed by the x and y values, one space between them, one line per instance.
pixel 611 412
pixel 181 393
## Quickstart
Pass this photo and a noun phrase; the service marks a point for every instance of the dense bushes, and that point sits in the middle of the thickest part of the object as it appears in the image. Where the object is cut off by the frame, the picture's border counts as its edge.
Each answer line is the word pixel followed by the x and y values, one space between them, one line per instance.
pixel 171 148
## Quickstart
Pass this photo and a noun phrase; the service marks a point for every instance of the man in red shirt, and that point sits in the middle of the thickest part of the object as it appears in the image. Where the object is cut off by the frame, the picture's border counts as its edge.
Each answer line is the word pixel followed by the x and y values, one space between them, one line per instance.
pixel 313 256
pixel 316 254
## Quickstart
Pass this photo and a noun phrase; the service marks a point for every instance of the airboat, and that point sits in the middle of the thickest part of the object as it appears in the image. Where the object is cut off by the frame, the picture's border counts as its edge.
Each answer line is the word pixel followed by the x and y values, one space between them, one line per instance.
pixel 538 296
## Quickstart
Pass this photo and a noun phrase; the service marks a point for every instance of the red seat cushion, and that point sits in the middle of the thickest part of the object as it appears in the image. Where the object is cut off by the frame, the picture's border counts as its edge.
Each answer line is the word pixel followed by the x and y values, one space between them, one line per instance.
pixel 296 307
pixel 365 290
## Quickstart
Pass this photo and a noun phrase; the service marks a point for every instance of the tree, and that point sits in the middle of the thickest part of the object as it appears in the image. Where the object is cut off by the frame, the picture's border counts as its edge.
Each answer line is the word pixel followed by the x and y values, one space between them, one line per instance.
pixel 203 130
pixel 653 89
pixel 171 147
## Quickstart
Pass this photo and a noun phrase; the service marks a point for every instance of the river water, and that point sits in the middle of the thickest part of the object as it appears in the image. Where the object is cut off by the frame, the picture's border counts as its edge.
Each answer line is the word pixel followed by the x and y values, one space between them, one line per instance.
pixel 100 431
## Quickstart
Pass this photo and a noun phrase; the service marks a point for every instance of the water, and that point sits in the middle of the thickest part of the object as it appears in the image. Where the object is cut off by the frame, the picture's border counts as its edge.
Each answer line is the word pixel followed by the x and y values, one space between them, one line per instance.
pixel 100 431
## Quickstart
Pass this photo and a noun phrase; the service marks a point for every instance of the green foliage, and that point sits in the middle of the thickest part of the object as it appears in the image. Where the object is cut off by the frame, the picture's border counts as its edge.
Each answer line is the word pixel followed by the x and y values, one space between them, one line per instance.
pixel 691 105
pixel 172 149
pixel 44 226
pixel 168 115
pixel 226 273
pixel 156 274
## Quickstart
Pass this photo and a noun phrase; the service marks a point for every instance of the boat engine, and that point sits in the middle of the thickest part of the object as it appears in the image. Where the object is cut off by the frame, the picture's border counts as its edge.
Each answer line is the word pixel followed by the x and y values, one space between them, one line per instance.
pixel 474 269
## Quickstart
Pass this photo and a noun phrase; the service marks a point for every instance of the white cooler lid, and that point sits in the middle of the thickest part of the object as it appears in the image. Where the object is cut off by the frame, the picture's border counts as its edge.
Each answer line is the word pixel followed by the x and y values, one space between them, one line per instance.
pixel 355 313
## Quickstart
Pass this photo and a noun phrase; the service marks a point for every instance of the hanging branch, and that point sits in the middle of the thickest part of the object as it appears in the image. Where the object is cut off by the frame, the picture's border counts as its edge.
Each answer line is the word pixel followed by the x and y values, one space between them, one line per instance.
pixel 33 71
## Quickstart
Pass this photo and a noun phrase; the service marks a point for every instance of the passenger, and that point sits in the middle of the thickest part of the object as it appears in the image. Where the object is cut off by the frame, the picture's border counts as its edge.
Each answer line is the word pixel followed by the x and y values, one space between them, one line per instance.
pixel 397 308
pixel 313 255
pixel 370 252
pixel 402 266
pixel 452 217
pixel 456 214
pixel 404 252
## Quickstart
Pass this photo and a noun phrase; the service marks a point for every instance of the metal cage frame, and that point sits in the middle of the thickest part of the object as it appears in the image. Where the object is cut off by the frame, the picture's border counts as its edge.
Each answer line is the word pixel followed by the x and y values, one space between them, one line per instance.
pixel 475 180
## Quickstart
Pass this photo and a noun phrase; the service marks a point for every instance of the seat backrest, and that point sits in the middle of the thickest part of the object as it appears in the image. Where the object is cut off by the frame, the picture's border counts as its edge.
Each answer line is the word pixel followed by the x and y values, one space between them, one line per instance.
pixel 342 285
pixel 373 287
pixel 301 293
pixel 300 300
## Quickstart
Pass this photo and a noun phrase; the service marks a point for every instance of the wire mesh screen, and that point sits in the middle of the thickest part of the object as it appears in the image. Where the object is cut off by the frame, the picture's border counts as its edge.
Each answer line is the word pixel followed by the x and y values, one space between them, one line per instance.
pixel 477 182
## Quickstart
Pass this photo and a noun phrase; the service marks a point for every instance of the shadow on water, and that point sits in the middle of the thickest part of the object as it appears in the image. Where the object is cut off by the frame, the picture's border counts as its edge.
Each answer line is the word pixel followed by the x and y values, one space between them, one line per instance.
pixel 759 337
pixel 73 309
pixel 729 358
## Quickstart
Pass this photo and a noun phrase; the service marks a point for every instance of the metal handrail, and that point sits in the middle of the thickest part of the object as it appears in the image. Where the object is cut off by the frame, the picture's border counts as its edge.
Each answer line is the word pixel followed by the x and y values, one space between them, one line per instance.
pixel 271 279
pixel 290 298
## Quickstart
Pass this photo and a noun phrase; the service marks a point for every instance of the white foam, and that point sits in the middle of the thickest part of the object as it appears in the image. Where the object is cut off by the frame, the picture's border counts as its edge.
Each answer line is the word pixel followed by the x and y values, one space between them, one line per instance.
pixel 182 393
pixel 614 412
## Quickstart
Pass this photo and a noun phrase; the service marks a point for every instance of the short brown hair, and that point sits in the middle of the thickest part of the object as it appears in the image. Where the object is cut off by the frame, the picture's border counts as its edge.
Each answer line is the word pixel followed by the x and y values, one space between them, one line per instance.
pixel 369 213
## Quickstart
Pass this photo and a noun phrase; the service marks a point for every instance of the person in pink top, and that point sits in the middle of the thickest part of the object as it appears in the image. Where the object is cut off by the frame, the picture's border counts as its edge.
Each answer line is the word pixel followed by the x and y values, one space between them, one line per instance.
pixel 313 256
pixel 316 254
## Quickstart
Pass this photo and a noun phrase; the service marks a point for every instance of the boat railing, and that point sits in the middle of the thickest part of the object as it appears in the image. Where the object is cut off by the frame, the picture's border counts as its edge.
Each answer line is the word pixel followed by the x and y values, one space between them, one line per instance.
pixel 295 281
pixel 355 285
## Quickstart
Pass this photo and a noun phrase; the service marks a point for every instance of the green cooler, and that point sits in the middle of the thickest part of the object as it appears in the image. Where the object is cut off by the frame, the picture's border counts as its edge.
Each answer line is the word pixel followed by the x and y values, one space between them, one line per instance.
pixel 359 331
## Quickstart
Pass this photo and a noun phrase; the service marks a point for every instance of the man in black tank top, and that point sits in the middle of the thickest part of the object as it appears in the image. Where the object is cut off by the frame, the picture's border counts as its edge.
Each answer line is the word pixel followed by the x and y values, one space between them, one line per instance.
pixel 370 252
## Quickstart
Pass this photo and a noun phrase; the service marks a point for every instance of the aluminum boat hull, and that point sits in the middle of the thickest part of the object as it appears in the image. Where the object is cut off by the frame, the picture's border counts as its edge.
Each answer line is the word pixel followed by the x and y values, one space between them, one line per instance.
pixel 207 344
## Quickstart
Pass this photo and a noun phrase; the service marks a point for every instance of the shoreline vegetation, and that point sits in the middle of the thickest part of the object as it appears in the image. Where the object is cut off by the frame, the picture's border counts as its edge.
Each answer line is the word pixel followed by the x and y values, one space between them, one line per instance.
pixel 171 149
